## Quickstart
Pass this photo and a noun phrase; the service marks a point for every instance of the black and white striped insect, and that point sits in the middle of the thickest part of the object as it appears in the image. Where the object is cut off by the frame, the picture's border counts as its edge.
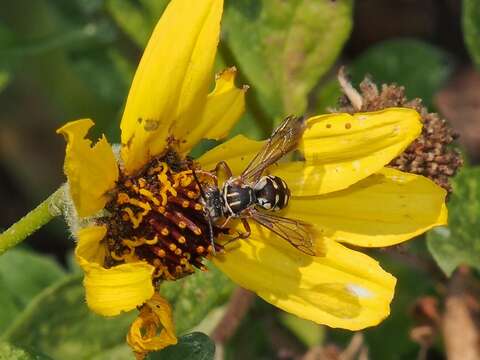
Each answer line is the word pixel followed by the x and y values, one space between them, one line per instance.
pixel 252 195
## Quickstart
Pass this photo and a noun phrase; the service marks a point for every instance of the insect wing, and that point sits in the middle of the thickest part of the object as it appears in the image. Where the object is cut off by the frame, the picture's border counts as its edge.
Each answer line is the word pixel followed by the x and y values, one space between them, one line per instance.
pixel 297 233
pixel 285 138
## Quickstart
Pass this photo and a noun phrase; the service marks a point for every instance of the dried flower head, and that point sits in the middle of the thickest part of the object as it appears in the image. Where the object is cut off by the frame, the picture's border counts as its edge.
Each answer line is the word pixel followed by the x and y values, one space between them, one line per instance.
pixel 430 154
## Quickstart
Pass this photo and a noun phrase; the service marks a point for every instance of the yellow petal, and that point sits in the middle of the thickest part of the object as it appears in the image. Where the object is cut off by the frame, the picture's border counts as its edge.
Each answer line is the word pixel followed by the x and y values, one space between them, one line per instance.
pixel 237 152
pixel 91 247
pixel 385 209
pixel 171 84
pixel 343 289
pixel 347 148
pixel 155 314
pixel 119 288
pixel 91 171
pixel 224 107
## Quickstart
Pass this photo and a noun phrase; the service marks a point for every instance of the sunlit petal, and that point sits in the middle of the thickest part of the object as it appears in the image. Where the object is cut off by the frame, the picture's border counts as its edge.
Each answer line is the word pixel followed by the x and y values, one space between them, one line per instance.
pixel 347 148
pixel 172 81
pixel 385 209
pixel 343 289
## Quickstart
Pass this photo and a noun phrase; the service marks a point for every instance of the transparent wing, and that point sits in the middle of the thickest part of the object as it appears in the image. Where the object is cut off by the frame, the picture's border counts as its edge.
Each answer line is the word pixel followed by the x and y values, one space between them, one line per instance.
pixel 285 138
pixel 297 233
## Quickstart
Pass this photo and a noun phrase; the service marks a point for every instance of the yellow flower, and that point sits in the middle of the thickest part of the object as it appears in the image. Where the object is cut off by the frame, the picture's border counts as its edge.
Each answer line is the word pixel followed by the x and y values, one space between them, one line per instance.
pixel 142 201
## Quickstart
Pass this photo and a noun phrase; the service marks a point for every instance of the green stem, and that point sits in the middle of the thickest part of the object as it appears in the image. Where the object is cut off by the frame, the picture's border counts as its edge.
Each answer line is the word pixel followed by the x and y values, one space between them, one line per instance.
pixel 33 221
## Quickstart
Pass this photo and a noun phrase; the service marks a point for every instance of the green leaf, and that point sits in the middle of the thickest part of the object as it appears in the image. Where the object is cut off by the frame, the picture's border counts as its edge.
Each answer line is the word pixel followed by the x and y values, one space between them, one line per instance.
pixel 420 67
pixel 5 78
pixel 9 306
pixel 11 352
pixel 58 323
pixel 135 20
pixel 194 346
pixel 120 352
pixel 284 47
pixel 459 243
pixel 25 274
pixel 250 127
pixel 308 332
pixel 154 8
pixel 327 96
pixel 471 28
pixel 22 276
pixel 193 297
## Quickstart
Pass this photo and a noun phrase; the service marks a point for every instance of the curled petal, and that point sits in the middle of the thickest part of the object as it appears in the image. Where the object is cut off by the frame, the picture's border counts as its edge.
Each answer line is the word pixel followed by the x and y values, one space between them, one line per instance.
pixel 384 209
pixel 154 315
pixel 347 148
pixel 343 288
pixel 171 84
pixel 224 107
pixel 116 289
pixel 91 171
pixel 119 288
pixel 91 247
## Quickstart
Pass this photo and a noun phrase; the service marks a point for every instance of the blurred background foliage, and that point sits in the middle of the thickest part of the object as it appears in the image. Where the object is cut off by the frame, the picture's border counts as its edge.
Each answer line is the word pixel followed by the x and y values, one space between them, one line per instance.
pixel 64 60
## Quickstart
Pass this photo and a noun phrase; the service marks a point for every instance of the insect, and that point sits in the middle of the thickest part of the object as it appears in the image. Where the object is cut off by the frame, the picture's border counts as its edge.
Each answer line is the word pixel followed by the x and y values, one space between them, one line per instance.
pixel 252 195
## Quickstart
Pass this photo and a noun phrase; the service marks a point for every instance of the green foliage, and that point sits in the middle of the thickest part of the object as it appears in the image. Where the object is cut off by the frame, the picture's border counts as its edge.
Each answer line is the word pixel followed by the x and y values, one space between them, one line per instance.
pixel 307 332
pixel 283 48
pixel 11 352
pixel 459 243
pixel 136 21
pixel 420 67
pixel 22 276
pixel 4 79
pixel 194 346
pixel 193 297
pixel 471 28
pixel 57 322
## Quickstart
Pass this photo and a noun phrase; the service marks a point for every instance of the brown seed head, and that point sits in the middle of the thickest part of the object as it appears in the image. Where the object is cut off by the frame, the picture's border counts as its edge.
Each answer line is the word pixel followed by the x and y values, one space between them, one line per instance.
pixel 156 216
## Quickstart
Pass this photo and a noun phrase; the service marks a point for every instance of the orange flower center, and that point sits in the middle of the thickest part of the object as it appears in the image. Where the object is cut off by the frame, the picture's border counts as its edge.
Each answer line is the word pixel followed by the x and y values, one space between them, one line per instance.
pixel 157 216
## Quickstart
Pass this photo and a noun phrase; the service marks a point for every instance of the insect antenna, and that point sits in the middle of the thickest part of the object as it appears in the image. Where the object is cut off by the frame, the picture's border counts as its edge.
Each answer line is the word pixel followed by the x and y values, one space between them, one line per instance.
pixel 204 197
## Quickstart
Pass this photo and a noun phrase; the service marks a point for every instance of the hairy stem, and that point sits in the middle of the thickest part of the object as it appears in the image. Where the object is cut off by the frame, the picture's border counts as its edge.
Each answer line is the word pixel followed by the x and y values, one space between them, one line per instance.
pixel 33 221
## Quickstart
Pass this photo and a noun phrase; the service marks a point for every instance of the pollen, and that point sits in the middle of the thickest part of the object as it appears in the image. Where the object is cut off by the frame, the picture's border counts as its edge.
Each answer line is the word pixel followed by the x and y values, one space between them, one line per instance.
pixel 156 216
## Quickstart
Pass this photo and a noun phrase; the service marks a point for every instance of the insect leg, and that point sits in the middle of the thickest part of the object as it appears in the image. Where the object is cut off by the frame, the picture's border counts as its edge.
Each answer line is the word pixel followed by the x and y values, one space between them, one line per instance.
pixel 208 174
pixel 206 213
pixel 247 232
pixel 225 223
pixel 244 235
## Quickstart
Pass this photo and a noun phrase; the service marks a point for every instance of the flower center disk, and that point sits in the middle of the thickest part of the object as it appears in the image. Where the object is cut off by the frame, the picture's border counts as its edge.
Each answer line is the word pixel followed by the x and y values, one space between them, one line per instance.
pixel 156 216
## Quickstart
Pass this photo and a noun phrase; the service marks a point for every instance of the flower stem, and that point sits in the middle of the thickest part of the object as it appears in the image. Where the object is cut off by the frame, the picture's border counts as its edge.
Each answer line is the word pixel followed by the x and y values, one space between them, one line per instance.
pixel 33 221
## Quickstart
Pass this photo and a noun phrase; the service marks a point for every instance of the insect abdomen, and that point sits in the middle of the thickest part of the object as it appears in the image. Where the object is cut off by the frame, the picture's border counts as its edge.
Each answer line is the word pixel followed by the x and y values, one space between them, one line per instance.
pixel 272 193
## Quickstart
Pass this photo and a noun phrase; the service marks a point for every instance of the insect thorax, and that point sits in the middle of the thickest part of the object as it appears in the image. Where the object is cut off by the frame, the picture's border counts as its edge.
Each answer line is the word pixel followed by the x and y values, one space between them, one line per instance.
pixel 213 203
pixel 237 197
pixel 271 193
